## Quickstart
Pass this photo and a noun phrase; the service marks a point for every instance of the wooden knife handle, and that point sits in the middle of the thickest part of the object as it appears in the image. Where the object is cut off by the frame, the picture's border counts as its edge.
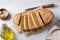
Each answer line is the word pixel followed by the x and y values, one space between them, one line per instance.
pixel 48 6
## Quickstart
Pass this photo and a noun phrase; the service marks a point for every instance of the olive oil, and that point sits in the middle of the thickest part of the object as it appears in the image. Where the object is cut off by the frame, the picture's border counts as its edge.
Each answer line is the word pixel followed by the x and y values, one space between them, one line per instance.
pixel 7 33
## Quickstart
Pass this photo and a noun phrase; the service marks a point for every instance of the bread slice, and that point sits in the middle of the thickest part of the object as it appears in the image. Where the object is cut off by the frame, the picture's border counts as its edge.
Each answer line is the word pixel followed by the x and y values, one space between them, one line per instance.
pixel 46 15
pixel 21 27
pixel 16 19
pixel 34 16
pixel 30 22
pixel 26 27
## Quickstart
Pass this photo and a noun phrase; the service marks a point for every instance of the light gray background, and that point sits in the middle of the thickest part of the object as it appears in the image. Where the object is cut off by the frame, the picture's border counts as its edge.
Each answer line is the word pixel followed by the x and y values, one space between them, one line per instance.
pixel 16 6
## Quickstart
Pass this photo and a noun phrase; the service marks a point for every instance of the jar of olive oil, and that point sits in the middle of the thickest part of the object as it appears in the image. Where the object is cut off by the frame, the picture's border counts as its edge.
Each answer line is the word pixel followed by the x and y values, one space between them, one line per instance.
pixel 7 33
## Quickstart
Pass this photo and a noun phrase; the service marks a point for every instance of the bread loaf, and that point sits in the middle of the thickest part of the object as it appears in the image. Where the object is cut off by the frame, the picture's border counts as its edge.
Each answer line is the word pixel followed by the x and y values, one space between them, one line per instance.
pixel 32 20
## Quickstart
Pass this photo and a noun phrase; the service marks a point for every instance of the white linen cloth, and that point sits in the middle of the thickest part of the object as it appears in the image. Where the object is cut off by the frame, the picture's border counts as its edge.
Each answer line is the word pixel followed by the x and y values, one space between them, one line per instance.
pixel 54 33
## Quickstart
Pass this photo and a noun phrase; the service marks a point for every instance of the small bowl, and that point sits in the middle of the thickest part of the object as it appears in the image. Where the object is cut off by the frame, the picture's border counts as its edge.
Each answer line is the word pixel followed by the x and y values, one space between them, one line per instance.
pixel 3 14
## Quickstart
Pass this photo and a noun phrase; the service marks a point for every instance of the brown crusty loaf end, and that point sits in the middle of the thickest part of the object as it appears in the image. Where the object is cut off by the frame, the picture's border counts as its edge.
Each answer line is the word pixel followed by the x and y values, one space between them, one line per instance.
pixel 46 15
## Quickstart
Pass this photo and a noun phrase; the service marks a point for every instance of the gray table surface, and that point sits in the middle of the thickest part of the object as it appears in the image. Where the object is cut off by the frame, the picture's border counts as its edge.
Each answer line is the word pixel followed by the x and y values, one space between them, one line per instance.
pixel 16 6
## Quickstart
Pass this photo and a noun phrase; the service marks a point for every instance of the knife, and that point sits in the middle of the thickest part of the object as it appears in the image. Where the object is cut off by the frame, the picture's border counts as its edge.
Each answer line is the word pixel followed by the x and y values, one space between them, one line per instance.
pixel 44 6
